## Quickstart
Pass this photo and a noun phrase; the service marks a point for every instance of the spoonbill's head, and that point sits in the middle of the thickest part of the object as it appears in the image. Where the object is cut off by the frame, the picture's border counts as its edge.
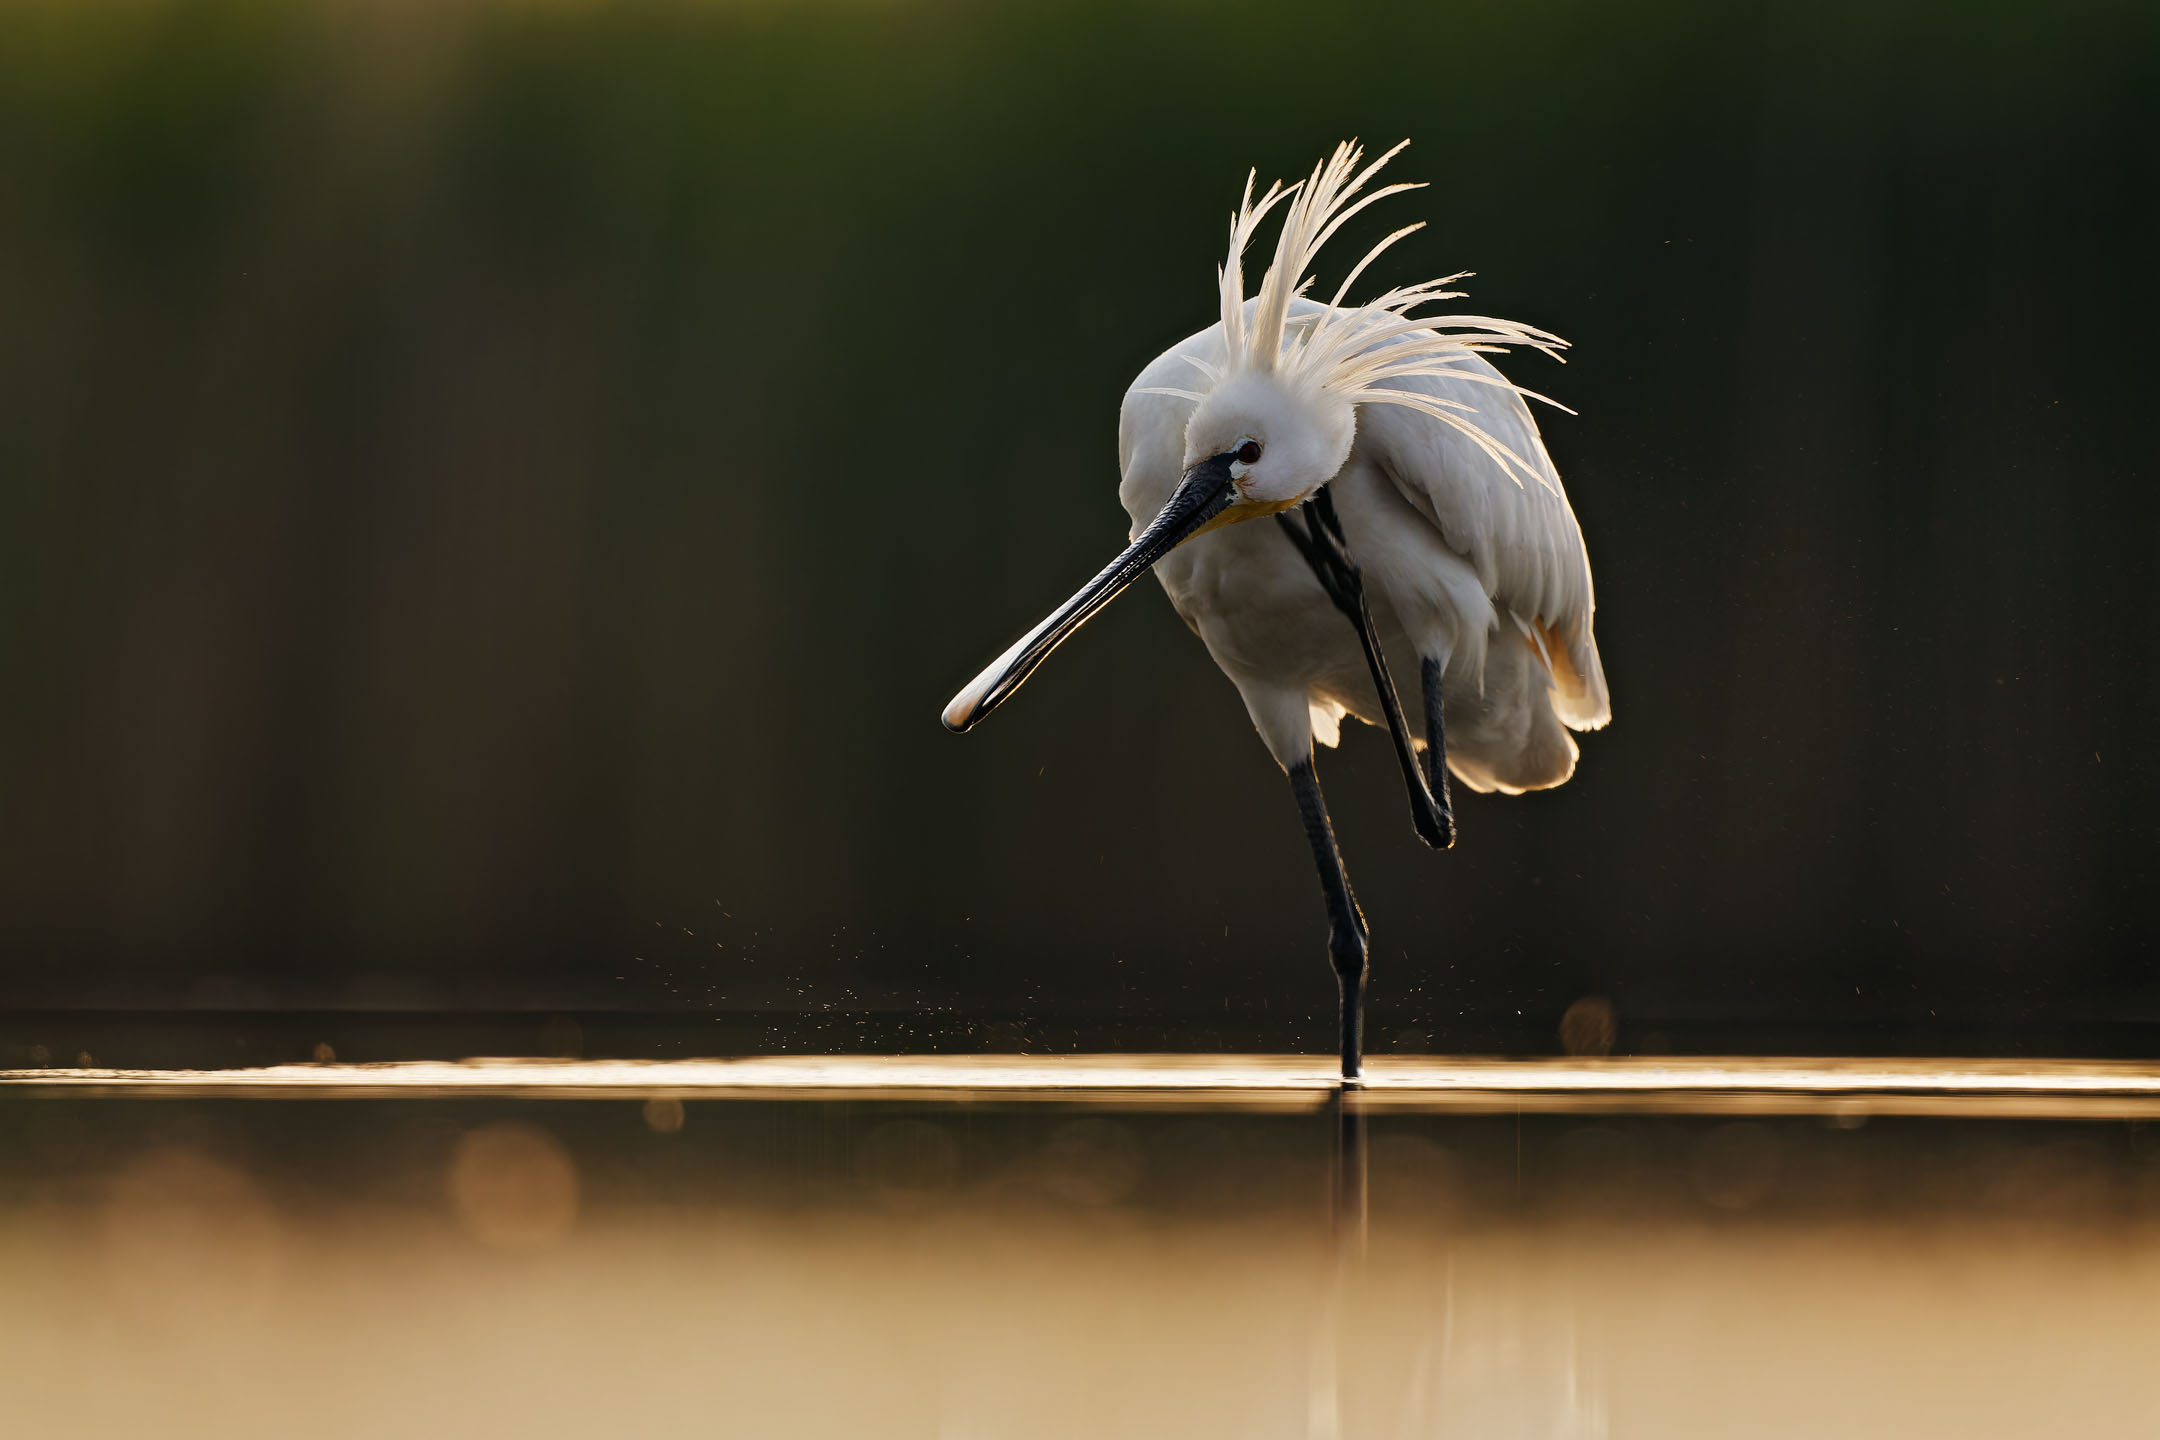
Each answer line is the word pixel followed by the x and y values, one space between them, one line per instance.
pixel 1279 442
pixel 1277 413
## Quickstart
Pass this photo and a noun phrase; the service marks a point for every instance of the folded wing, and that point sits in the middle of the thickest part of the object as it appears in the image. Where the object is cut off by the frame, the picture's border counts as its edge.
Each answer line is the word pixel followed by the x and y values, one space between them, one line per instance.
pixel 1521 537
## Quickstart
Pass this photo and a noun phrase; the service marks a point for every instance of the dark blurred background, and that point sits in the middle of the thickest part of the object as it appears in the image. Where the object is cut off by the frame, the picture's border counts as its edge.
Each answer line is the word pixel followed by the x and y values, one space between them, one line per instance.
pixel 495 496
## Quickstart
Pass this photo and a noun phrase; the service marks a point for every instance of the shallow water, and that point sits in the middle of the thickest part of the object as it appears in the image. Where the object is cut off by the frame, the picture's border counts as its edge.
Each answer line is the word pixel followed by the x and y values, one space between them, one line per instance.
pixel 1136 1261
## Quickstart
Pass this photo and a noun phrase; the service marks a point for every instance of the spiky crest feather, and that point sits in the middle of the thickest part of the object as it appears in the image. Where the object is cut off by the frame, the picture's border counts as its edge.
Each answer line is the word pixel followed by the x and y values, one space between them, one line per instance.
pixel 1352 352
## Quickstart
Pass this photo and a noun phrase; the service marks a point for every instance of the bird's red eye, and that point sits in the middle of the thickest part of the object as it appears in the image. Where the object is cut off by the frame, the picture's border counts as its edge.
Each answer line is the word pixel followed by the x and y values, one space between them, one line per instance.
pixel 1249 453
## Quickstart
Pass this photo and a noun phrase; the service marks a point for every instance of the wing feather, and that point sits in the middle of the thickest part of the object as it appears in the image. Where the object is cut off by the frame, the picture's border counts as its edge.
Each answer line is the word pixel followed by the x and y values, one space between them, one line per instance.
pixel 1523 540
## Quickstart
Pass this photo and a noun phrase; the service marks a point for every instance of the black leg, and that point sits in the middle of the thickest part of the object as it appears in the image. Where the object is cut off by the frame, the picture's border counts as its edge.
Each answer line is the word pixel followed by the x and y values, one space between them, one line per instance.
pixel 1436 777
pixel 1320 541
pixel 1347 938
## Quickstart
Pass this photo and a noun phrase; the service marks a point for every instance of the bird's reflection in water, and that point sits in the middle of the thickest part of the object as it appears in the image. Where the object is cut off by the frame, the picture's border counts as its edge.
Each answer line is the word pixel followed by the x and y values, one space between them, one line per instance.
pixel 1348 1218
pixel 1501 1365
pixel 1498 1366
pixel 863 1269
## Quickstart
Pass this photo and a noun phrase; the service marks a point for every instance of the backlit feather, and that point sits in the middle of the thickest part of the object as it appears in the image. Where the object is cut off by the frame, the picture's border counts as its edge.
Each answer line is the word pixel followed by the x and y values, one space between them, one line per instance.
pixel 1356 352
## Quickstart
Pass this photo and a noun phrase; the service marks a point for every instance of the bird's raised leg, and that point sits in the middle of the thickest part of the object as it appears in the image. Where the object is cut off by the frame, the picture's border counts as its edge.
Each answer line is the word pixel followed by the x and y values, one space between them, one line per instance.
pixel 1348 940
pixel 1436 775
pixel 1320 540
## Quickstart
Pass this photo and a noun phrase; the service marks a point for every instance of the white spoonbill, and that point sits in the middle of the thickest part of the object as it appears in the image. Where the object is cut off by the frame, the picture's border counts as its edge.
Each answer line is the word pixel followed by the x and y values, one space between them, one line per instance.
pixel 1415 506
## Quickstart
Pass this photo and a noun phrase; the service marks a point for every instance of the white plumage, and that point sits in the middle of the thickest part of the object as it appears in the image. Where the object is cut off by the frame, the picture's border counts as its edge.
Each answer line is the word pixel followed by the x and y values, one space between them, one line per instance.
pixel 1430 521
pixel 1466 564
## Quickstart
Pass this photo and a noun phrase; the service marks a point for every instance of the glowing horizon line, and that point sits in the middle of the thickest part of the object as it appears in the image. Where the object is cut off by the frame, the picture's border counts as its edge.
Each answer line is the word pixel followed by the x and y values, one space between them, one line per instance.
pixel 1787 1085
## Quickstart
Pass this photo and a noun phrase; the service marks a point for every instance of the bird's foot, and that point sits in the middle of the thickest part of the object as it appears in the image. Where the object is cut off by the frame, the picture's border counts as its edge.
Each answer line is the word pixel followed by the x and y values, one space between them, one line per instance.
pixel 1347 951
pixel 1436 828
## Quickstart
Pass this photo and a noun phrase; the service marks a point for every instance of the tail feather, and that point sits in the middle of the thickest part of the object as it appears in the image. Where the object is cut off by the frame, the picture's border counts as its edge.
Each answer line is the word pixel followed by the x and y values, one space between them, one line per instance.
pixel 1578 675
pixel 1508 736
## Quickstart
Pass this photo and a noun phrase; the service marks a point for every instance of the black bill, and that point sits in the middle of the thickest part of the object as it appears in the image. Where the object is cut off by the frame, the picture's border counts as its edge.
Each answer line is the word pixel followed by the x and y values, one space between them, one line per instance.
pixel 1204 494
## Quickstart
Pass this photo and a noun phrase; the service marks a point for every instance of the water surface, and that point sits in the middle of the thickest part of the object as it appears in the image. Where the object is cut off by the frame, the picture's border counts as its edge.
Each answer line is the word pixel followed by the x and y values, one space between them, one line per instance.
pixel 588 1255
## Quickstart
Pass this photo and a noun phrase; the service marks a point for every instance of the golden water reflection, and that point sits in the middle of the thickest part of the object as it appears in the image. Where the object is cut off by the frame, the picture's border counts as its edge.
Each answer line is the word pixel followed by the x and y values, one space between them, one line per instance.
pixel 989 1267
pixel 1796 1086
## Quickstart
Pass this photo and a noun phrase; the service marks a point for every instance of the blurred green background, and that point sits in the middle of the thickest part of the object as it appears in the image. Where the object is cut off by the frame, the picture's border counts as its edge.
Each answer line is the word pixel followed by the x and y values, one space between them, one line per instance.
pixel 495 496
